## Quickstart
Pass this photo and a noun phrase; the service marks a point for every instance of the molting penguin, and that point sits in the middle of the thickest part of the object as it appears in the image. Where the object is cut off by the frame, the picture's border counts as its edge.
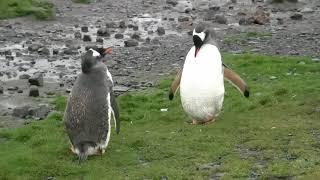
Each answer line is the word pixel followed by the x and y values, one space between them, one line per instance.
pixel 202 78
pixel 91 106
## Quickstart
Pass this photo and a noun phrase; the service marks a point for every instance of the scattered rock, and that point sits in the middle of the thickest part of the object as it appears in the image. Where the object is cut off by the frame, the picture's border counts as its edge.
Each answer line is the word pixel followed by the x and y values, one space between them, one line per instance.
pixel 86 38
pixel 55 51
pixel 44 51
pixel 120 89
pixel 40 112
pixel 99 40
pixel 111 25
pixel 260 16
pixel 13 88
pixel 122 25
pixel 183 18
pixel 221 19
pixel 10 58
pixel 36 79
pixel 24 76
pixel 131 43
pixel 103 32
pixel 316 59
pixel 118 36
pixel 187 10
pixel 296 16
pixel 161 31
pixel 34 47
pixel 34 91
pixel 135 28
pixel 172 2
pixel 307 10
pixel 84 29
pixel 70 51
pixel 214 8
pixel 21 112
pixel 135 36
pixel 77 35
pixel 20 91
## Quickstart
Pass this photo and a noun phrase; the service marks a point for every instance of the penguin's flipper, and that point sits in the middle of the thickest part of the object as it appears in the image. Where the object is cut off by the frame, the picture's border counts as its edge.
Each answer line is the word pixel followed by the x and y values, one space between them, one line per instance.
pixel 175 84
pixel 115 110
pixel 235 80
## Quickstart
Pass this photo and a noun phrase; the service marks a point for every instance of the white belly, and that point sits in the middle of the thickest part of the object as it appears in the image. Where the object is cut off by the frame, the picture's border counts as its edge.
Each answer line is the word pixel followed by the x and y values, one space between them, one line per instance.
pixel 202 85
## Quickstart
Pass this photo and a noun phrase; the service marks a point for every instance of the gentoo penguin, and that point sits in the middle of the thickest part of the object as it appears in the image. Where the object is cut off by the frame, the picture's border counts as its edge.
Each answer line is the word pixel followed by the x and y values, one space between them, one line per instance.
pixel 202 78
pixel 91 106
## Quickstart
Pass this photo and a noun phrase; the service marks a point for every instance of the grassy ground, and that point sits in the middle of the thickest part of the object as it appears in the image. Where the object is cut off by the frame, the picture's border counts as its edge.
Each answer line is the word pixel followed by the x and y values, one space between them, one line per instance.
pixel 243 37
pixel 41 9
pixel 82 1
pixel 275 134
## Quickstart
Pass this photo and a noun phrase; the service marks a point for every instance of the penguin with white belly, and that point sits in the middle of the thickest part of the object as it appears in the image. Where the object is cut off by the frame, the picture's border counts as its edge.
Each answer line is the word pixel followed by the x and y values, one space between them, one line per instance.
pixel 91 106
pixel 201 80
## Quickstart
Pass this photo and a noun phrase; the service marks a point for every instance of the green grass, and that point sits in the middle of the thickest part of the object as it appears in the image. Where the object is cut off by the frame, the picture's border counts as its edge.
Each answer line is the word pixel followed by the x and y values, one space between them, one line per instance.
pixel 273 134
pixel 82 1
pixel 41 9
pixel 244 37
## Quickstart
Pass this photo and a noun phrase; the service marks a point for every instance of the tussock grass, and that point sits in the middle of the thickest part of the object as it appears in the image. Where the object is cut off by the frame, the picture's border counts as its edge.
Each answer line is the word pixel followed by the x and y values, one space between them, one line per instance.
pixel 41 9
pixel 273 134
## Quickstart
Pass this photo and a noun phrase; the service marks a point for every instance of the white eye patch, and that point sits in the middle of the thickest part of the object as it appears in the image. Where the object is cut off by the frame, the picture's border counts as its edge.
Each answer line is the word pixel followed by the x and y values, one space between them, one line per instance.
pixel 201 35
pixel 94 52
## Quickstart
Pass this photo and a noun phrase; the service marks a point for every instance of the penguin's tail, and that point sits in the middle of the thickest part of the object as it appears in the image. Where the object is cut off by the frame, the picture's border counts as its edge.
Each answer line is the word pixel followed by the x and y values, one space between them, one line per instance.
pixel 83 148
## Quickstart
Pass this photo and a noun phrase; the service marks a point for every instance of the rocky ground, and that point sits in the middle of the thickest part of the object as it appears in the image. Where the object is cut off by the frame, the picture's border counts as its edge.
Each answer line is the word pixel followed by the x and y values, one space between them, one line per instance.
pixel 40 59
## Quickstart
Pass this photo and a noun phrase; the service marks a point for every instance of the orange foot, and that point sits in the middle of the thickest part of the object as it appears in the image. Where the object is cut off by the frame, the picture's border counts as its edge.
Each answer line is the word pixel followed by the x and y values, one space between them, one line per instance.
pixel 209 120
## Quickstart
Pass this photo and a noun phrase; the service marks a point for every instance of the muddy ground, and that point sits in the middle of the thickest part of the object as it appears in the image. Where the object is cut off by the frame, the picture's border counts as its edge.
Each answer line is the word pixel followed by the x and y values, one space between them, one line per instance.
pixel 149 38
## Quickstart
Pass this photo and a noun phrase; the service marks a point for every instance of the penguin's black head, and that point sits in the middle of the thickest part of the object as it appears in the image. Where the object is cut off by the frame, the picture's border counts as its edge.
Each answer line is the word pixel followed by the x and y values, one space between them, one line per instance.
pixel 90 58
pixel 199 36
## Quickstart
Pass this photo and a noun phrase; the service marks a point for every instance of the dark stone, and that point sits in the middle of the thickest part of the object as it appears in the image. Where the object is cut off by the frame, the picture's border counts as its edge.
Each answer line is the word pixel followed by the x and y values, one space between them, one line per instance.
pixel 135 28
pixel 24 76
pixel 103 32
pixel 122 24
pixel 87 38
pixel 18 54
pixel 13 88
pixel 10 58
pixel 171 19
pixel 111 25
pixel 260 16
pixel 36 79
pixel 118 36
pixel 221 19
pixel 131 43
pixel 161 31
pixel 84 29
pixel 70 51
pixel 44 51
pixel 183 18
pixel 214 8
pixel 99 40
pixel 20 91
pixel 21 112
pixel 1 90
pixel 77 35
pixel 34 47
pixel 188 10
pixel 40 112
pixel 34 91
pixel 135 36
pixel 55 51
pixel 172 2
pixel 296 16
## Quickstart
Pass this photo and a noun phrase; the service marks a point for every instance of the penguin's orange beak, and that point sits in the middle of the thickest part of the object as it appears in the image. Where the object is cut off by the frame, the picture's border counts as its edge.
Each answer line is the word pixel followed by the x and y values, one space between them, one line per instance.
pixel 108 50
pixel 196 52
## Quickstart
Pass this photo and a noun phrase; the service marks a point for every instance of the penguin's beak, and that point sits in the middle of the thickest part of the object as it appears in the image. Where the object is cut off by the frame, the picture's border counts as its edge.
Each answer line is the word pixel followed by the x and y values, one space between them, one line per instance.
pixel 107 50
pixel 196 52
